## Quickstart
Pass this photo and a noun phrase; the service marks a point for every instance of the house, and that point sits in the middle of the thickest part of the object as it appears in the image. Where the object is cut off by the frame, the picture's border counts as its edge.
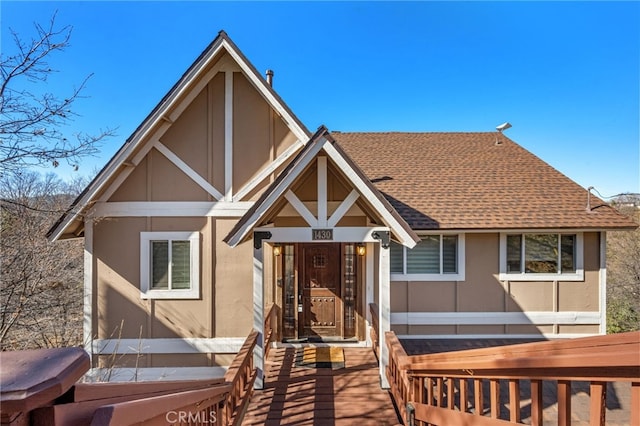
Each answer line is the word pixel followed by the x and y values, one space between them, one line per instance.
pixel 222 203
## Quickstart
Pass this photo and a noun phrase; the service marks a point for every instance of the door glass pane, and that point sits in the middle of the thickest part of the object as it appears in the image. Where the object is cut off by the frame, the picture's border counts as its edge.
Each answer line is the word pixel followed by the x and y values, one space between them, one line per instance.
pixel 396 258
pixel 449 254
pixel 567 245
pixel 160 264
pixel 424 258
pixel 349 290
pixel 290 303
pixel 180 265
pixel 541 253
pixel 514 253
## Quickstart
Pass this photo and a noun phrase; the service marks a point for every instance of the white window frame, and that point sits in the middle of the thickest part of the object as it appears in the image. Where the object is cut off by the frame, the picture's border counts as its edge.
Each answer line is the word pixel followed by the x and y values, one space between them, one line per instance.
pixel 459 276
pixel 146 291
pixel 578 275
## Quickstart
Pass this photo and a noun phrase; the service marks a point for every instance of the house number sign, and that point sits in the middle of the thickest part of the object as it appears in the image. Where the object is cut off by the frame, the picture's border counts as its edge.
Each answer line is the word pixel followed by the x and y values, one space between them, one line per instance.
pixel 322 234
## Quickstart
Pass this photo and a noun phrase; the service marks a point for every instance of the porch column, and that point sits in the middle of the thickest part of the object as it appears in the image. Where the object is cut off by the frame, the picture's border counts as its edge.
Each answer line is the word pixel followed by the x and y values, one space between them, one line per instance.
pixel 385 310
pixel 258 309
pixel 87 319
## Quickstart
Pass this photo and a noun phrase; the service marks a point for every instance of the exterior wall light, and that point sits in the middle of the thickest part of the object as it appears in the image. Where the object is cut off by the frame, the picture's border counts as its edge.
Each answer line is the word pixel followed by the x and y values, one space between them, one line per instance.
pixel 277 250
pixel 361 250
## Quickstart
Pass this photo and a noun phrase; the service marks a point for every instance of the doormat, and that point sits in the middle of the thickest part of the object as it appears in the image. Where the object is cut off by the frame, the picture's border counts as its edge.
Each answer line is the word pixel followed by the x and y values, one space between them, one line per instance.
pixel 324 357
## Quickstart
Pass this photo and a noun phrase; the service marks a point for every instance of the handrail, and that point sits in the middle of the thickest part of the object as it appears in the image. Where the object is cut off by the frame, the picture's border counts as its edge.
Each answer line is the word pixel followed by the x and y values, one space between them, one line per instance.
pixel 201 406
pixel 270 328
pixel 428 382
pixel 240 376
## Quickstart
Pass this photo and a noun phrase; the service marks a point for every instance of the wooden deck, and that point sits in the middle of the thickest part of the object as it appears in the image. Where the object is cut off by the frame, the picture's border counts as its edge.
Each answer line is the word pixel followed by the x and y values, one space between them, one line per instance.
pixel 307 396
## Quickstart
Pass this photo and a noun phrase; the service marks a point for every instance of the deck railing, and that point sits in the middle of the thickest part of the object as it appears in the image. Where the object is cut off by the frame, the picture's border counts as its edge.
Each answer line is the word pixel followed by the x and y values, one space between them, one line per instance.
pixel 270 328
pixel 435 388
pixel 59 400
pixel 240 376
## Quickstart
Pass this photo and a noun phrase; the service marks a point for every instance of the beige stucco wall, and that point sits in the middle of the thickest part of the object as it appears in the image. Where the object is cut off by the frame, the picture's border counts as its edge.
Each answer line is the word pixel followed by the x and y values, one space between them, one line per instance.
pixel 482 291
pixel 223 310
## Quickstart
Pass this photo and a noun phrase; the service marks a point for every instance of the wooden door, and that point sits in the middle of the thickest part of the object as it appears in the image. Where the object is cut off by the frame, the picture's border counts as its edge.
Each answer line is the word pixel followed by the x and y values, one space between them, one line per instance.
pixel 320 291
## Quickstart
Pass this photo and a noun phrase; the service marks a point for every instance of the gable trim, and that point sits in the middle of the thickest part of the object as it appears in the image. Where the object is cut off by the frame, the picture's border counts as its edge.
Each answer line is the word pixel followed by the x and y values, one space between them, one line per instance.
pixel 157 122
pixel 343 208
pixel 170 209
pixel 267 171
pixel 228 135
pixel 301 208
pixel 184 167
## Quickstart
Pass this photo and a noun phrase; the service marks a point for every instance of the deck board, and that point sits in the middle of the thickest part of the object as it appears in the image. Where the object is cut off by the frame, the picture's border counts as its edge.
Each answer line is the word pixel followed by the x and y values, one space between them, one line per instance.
pixel 307 396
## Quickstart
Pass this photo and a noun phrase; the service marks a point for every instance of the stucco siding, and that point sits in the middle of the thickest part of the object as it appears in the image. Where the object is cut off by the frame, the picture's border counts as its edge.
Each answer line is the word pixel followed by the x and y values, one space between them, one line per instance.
pixel 233 284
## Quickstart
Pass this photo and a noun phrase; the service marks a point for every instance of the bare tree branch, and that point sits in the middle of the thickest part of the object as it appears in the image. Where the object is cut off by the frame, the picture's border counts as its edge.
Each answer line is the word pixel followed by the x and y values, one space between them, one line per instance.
pixel 32 120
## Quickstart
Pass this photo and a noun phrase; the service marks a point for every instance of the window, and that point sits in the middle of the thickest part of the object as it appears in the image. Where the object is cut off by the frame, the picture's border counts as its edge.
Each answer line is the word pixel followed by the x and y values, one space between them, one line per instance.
pixel 434 258
pixel 541 257
pixel 170 265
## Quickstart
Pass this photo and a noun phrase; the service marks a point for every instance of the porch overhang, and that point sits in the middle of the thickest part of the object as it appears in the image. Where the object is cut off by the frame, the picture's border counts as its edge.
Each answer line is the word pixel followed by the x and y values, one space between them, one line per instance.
pixel 321 142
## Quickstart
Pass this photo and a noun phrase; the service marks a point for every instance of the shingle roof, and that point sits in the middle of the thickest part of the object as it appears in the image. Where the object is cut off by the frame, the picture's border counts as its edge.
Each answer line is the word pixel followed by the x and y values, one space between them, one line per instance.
pixel 469 181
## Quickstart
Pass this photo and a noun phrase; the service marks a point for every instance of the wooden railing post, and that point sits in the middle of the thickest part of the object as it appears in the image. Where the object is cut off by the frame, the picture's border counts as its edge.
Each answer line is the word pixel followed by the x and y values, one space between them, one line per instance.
pixel 494 399
pixel 564 403
pixel 514 400
pixel 598 394
pixel 635 404
pixel 464 395
pixel 478 397
pixel 536 403
pixel 451 391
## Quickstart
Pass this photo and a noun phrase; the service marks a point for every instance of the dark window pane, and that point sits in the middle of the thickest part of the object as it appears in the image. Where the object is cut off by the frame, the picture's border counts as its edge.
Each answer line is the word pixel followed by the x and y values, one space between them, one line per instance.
pixel 449 254
pixel 159 264
pixel 396 255
pixel 424 258
pixel 180 265
pixel 568 245
pixel 514 253
pixel 541 253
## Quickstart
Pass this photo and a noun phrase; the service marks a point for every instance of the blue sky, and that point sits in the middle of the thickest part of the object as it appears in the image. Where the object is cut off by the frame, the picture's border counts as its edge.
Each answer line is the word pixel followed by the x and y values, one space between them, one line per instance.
pixel 565 74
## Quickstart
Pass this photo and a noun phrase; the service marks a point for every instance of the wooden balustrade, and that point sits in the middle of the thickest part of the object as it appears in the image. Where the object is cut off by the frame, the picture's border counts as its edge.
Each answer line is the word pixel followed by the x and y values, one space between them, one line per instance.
pixel 240 376
pixel 424 386
pixel 270 328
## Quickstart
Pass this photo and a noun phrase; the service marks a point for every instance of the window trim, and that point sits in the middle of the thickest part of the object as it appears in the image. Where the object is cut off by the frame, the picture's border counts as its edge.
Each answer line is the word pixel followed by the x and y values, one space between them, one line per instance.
pixel 459 276
pixel 146 292
pixel 578 275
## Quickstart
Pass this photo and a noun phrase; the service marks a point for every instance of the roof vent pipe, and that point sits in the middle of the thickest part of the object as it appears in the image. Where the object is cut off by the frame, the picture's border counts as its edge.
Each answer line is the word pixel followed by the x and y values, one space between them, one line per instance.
pixel 501 128
pixel 270 77
pixel 589 198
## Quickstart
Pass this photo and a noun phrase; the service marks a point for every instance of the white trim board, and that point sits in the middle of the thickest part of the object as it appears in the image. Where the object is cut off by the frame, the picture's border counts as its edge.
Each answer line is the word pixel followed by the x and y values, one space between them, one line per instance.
pixel 149 374
pixel 494 318
pixel 602 288
pixel 216 345
pixel 548 336
pixel 184 167
pixel 171 209
pixel 340 235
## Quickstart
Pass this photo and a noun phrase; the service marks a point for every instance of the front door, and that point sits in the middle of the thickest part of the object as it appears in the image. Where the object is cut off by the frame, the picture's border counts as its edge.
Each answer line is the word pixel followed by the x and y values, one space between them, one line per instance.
pixel 320 292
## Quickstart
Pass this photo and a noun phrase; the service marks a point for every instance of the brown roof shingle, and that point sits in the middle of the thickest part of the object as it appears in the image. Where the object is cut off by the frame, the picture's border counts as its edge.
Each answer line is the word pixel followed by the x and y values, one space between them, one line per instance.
pixel 469 181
